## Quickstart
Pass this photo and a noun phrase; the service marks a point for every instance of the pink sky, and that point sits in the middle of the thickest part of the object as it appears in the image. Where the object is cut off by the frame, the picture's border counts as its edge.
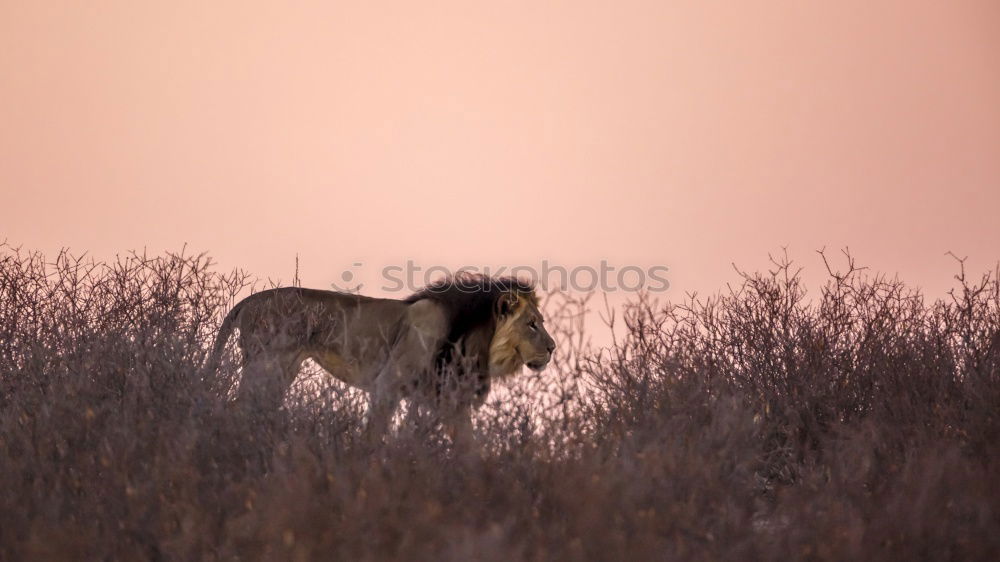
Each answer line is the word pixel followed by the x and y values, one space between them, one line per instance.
pixel 690 134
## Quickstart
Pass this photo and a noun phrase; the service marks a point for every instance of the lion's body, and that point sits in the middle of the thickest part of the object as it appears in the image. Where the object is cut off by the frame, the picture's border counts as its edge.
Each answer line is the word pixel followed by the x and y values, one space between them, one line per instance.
pixel 391 348
pixel 350 336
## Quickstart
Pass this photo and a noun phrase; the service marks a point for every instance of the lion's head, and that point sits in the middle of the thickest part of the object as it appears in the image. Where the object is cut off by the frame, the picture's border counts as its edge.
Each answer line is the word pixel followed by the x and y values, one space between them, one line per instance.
pixel 520 337
pixel 493 321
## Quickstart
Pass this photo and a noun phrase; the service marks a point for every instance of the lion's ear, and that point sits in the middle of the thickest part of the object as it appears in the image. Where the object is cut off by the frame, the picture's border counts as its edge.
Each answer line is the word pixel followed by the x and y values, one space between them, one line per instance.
pixel 505 304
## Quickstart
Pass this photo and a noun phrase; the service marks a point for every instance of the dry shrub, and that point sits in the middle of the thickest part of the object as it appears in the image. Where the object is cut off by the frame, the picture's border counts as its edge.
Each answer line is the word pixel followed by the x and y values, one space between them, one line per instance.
pixel 860 423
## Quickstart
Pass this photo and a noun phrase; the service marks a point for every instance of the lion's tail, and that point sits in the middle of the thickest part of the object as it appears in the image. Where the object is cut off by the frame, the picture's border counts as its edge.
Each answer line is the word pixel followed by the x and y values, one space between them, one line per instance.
pixel 214 360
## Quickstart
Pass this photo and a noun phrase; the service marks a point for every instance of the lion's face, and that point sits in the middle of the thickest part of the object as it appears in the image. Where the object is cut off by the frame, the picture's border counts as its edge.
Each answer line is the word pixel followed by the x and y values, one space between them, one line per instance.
pixel 521 337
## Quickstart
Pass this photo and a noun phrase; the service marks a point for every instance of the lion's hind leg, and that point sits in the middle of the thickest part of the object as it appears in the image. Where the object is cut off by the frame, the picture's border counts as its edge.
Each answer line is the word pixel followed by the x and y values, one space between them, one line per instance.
pixel 266 379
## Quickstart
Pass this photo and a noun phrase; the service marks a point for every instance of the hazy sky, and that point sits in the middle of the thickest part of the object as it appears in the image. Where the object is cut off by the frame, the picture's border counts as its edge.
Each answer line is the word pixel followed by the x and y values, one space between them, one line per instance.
pixel 685 133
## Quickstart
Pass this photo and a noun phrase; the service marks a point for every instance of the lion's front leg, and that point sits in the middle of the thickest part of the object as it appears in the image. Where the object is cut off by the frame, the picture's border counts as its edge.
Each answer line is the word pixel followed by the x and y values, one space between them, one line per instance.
pixel 459 428
pixel 383 401
pixel 412 354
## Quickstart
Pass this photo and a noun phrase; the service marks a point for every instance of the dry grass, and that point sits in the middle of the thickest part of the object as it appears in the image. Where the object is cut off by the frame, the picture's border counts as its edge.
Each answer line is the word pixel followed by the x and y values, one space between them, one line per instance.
pixel 755 425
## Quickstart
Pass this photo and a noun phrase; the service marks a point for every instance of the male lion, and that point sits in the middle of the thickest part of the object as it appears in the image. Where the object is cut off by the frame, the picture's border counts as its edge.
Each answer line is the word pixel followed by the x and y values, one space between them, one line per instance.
pixel 456 334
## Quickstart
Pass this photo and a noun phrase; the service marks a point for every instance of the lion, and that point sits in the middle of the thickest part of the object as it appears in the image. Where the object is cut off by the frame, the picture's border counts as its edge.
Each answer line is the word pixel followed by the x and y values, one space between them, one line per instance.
pixel 457 335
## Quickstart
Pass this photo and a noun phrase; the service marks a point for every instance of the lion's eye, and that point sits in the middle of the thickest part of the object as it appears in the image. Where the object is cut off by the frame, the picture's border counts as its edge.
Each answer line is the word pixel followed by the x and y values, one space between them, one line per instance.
pixel 532 325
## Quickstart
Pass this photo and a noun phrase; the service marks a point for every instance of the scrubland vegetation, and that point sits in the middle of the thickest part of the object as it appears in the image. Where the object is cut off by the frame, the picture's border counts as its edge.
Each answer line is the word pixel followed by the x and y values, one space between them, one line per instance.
pixel 859 421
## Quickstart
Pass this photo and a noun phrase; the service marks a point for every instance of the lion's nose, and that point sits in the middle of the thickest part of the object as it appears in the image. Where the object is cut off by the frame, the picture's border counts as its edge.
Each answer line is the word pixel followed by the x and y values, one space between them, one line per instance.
pixel 551 347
